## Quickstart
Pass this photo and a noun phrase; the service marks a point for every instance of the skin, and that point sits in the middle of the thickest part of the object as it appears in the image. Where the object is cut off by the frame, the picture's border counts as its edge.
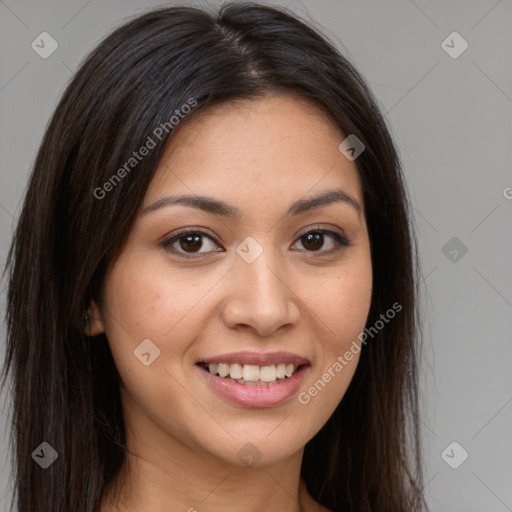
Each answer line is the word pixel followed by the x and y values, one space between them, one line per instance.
pixel 312 300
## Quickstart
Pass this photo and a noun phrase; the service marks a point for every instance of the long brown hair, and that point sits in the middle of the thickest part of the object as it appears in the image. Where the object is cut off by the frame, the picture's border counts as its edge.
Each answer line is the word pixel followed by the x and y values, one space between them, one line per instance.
pixel 367 457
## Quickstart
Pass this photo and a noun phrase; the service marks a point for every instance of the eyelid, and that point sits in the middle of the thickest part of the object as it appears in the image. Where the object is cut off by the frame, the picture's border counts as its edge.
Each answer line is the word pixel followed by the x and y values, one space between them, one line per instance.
pixel 186 231
pixel 326 228
pixel 168 240
pixel 341 239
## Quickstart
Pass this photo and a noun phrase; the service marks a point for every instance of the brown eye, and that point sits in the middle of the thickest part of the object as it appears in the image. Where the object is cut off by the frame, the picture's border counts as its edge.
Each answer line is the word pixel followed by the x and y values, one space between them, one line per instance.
pixel 314 240
pixel 189 243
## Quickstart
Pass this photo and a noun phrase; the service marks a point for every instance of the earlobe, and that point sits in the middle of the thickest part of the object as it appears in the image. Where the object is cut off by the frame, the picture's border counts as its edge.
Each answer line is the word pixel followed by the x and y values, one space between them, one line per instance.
pixel 93 321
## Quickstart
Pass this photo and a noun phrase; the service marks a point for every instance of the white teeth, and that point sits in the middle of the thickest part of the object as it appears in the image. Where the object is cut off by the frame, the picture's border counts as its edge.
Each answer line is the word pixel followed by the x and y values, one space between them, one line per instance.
pixel 236 371
pixel 268 373
pixel 223 370
pixel 281 371
pixel 251 372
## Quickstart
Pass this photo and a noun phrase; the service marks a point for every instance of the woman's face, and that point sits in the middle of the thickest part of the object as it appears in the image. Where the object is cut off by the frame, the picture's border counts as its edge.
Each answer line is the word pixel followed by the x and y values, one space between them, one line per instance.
pixel 243 289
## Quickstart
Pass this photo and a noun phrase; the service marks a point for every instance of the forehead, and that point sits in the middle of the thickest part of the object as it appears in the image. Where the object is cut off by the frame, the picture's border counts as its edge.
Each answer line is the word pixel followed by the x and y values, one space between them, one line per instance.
pixel 277 145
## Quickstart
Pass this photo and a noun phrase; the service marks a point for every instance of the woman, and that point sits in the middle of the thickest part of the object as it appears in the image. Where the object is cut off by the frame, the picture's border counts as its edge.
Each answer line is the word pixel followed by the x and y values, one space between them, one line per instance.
pixel 213 284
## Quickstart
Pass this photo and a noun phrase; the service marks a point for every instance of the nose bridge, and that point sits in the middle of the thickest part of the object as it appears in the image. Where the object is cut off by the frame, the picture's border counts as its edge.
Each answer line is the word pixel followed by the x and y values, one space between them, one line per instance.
pixel 259 295
pixel 263 283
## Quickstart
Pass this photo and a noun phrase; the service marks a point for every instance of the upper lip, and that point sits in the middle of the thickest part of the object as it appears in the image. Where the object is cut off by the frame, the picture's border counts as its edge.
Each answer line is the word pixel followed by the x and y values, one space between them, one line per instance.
pixel 257 358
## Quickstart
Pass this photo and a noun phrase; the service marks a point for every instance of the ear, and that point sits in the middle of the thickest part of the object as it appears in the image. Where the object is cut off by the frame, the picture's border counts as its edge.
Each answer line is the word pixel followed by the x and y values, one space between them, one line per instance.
pixel 94 325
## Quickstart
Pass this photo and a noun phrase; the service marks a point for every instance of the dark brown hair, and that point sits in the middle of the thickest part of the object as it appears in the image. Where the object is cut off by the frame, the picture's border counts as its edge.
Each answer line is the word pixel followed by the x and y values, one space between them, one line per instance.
pixel 366 458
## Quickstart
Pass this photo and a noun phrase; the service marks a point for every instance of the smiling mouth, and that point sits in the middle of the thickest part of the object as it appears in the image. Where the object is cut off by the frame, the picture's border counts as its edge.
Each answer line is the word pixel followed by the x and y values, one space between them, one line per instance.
pixel 251 374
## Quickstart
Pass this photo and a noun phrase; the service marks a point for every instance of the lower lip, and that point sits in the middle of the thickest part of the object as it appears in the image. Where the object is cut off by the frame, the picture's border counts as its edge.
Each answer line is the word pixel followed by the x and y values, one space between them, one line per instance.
pixel 256 396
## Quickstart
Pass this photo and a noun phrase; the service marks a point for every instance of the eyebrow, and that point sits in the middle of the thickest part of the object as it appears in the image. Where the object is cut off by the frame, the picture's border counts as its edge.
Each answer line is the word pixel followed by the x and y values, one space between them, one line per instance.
pixel 217 207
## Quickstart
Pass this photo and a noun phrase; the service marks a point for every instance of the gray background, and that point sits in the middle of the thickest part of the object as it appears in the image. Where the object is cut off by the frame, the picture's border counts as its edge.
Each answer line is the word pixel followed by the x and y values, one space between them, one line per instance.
pixel 451 118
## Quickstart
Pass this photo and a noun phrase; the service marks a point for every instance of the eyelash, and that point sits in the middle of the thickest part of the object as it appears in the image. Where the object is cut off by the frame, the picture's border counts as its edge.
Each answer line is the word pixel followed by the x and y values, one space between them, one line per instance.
pixel 340 240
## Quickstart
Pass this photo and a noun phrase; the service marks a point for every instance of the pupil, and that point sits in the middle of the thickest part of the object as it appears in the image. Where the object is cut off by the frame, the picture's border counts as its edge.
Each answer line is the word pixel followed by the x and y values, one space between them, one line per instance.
pixel 194 242
pixel 314 240
pixel 315 237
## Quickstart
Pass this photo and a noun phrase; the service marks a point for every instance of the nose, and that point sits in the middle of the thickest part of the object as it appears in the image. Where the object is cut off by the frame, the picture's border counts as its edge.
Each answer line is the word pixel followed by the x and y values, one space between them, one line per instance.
pixel 259 296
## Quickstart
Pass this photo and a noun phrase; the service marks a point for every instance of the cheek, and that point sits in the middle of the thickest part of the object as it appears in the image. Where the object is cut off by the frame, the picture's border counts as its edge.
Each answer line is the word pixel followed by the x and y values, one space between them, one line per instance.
pixel 341 306
pixel 341 303
pixel 349 316
pixel 145 300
